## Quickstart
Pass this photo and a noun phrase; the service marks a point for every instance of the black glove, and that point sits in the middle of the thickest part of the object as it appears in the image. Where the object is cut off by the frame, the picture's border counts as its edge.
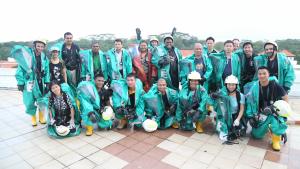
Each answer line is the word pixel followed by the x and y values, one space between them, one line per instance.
pixel 119 110
pixel 253 122
pixel 173 31
pixel 202 80
pixel 21 88
pixel 163 61
pixel 214 95
pixel 138 33
pixel 287 89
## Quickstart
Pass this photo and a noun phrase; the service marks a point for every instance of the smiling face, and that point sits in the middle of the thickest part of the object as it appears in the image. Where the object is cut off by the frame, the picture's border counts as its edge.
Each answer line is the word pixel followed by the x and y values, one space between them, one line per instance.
pixel 231 87
pixel 270 50
pixel 68 39
pixel 193 84
pixel 95 47
pixel 198 49
pixel 162 85
pixel 130 82
pixel 56 89
pixel 228 48
pixel 54 53
pixel 263 75
pixel 169 43
pixel 99 81
pixel 118 46
pixel 248 50
pixel 143 47
pixel 39 47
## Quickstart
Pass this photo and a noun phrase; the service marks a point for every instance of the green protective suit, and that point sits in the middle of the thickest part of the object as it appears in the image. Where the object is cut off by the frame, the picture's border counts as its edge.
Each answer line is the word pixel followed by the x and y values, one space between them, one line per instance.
pixel 185 102
pixel 90 102
pixel 113 66
pixel 286 73
pixel 26 75
pixel 121 99
pixel 51 129
pixel 218 61
pixel 88 65
pixel 155 108
pixel 163 72
pixel 276 124
pixel 224 109
pixel 188 65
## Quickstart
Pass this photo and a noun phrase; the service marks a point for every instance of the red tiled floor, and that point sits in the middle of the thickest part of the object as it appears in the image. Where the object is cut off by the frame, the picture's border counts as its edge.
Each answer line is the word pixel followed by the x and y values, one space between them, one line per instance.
pixel 153 140
pixel 128 142
pixel 145 162
pixel 161 165
pixel 129 155
pixel 114 148
pixel 126 132
pixel 185 133
pixel 163 134
pixel 157 153
pixel 140 136
pixel 142 147
pixel 277 157
pixel 261 143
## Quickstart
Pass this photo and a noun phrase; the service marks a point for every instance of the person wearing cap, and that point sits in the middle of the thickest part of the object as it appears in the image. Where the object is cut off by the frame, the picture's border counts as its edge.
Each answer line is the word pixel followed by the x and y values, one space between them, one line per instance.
pixel 128 101
pixel 262 95
pixel 166 58
pixel 230 105
pixel 198 62
pixel 278 64
pixel 154 42
pixel 143 67
pixel 70 55
pixel 57 67
pixel 94 62
pixel 224 64
pixel 161 103
pixel 246 57
pixel 34 80
pixel 191 107
pixel 119 62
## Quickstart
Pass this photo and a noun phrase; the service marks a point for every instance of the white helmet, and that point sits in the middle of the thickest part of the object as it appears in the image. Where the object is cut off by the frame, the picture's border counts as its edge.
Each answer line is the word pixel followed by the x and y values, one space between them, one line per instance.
pixel 107 113
pixel 54 48
pixel 150 125
pixel 153 38
pixel 283 107
pixel 44 41
pixel 231 79
pixel 168 36
pixel 272 43
pixel 194 76
pixel 62 130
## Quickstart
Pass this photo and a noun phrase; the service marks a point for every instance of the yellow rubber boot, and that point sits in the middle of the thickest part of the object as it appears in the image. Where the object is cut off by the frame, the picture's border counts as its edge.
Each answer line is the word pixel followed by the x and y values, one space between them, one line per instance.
pixel 199 127
pixel 175 125
pixel 89 130
pixel 41 118
pixel 33 120
pixel 276 142
pixel 78 104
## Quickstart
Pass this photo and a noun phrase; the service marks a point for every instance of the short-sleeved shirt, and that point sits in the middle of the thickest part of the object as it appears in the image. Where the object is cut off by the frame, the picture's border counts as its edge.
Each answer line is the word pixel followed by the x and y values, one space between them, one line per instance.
pixel 56 72
pixel 200 66
pixel 58 103
pixel 234 103
pixel 270 93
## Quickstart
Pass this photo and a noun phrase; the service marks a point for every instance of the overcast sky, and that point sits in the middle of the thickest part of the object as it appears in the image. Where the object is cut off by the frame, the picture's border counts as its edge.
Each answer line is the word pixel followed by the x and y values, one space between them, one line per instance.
pixel 23 20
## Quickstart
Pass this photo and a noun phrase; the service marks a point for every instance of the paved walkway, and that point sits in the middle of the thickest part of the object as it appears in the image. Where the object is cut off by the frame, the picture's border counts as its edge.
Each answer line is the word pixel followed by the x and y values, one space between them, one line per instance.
pixel 23 146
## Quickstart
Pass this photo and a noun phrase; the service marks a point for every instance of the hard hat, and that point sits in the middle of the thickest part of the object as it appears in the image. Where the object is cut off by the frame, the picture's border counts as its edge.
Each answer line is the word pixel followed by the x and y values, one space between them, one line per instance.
pixel 150 125
pixel 62 130
pixel 153 38
pixel 231 79
pixel 54 48
pixel 107 113
pixel 284 109
pixel 44 41
pixel 272 43
pixel 194 76
pixel 168 36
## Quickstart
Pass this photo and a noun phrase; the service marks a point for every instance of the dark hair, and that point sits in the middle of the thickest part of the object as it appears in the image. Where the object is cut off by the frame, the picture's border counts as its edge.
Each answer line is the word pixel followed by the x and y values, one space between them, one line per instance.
pixel 130 75
pixel 143 41
pixel 67 33
pixel 119 40
pixel 52 83
pixel 99 75
pixel 228 41
pixel 210 38
pixel 263 67
pixel 95 42
pixel 248 43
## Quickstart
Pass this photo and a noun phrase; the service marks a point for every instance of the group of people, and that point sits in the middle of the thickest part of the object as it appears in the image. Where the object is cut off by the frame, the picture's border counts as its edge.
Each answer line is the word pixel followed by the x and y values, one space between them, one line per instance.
pixel 152 86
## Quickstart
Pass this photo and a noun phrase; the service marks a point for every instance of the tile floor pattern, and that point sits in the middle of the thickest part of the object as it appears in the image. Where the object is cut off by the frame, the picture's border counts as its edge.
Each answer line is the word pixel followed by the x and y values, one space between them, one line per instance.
pixel 22 147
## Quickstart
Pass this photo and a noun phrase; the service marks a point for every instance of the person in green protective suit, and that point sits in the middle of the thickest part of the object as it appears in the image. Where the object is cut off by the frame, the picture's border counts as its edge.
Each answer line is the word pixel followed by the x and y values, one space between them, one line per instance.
pixel 167 58
pixel 128 102
pixel 32 77
pixel 94 62
pixel 246 57
pixel 161 103
pixel 230 105
pixel 191 105
pixel 196 62
pixel 278 65
pixel 119 63
pixel 224 64
pixel 90 106
pixel 64 118
pixel 261 96
pixel 154 43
